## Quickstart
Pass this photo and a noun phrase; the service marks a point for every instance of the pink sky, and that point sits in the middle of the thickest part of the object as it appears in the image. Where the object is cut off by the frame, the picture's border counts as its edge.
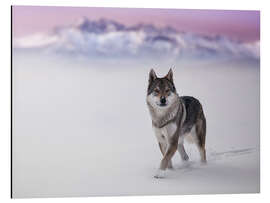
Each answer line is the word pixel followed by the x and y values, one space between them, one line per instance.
pixel 240 25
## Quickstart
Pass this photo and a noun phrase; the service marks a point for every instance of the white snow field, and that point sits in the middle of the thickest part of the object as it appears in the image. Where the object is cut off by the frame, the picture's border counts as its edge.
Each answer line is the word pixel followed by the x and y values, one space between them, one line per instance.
pixel 82 128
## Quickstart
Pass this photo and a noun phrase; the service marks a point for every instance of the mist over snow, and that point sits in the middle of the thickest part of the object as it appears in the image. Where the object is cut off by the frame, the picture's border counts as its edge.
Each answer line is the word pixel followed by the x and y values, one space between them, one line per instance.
pixel 106 37
pixel 83 129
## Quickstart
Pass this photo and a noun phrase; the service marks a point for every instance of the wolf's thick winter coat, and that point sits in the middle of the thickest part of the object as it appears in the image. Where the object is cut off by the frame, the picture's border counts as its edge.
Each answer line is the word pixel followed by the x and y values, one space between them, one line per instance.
pixel 174 118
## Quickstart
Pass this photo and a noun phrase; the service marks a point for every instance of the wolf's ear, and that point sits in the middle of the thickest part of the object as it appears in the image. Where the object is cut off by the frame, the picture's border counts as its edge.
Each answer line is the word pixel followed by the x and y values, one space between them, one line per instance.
pixel 169 76
pixel 152 76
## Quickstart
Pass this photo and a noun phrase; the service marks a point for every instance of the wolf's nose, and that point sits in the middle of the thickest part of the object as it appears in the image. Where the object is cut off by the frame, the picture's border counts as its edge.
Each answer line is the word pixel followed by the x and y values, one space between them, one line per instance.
pixel 162 100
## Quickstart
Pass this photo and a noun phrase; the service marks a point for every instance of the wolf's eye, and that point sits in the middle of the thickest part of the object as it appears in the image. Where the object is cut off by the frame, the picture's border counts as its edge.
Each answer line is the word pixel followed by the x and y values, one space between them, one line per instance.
pixel 168 92
pixel 156 92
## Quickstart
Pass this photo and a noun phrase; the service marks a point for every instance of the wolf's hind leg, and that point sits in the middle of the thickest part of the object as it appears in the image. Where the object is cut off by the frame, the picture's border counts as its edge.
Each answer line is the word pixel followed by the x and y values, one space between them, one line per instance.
pixel 201 134
pixel 182 152
pixel 163 147
pixel 202 154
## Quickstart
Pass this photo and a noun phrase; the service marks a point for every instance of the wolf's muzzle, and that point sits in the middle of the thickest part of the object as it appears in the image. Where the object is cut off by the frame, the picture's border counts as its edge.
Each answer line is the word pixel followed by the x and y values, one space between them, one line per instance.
pixel 162 100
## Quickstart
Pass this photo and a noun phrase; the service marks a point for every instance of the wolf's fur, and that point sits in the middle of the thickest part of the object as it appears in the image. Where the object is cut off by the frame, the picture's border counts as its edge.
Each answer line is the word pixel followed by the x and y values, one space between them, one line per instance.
pixel 174 119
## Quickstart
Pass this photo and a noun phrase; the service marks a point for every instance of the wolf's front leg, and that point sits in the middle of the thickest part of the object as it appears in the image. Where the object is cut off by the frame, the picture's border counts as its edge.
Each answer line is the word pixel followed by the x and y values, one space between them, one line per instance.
pixel 163 147
pixel 166 159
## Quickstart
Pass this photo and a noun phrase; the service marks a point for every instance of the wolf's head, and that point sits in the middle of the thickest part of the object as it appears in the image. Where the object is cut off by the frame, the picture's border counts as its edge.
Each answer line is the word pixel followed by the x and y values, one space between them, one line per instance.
pixel 161 92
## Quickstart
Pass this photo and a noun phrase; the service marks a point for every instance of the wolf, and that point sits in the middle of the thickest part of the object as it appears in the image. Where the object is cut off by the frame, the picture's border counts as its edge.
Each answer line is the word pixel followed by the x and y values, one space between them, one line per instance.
pixel 174 119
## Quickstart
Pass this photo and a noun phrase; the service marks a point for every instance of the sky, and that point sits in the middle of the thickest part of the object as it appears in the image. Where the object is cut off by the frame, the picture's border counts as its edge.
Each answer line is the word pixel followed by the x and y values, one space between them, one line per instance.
pixel 238 25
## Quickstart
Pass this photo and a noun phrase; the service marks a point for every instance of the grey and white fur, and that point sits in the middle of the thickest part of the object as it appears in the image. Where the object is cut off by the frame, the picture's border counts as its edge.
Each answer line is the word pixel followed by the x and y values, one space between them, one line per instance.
pixel 174 119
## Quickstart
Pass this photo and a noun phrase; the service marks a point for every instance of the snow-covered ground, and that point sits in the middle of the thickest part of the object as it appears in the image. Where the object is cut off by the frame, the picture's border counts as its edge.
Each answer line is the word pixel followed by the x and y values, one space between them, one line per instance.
pixel 83 128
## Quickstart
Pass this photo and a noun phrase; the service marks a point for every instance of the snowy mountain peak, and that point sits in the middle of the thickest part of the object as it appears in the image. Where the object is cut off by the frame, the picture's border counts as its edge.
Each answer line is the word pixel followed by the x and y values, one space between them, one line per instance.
pixel 108 37
pixel 100 26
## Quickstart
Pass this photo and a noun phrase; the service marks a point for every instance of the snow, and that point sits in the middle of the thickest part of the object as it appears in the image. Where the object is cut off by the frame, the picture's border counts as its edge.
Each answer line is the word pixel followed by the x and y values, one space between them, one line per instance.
pixel 82 128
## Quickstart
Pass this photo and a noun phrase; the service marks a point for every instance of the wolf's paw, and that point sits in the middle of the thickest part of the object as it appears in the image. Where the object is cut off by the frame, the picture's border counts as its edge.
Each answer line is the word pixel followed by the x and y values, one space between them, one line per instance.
pixel 160 174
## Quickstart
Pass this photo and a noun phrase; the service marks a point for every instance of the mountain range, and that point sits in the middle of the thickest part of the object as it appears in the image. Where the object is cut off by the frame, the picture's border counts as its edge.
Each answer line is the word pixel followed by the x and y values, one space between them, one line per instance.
pixel 105 37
